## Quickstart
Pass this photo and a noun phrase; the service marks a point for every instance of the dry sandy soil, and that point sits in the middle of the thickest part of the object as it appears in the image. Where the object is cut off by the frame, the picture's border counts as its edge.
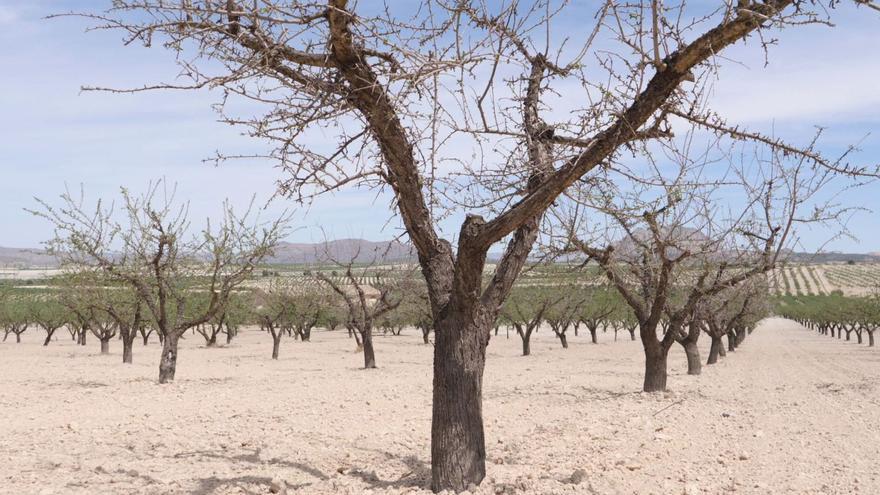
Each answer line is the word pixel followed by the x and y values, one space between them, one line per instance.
pixel 790 412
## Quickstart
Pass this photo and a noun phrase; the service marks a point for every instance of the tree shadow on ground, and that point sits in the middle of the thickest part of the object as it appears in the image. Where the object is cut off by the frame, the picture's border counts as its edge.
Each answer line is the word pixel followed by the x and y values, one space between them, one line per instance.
pixel 253 457
pixel 417 476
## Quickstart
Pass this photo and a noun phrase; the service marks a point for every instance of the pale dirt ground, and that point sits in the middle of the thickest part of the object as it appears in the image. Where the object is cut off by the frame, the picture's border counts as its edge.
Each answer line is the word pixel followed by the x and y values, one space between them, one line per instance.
pixel 790 412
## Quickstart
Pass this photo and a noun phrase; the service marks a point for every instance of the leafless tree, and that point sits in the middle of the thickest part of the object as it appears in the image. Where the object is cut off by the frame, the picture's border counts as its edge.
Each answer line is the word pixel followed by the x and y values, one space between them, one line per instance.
pixel 447 105
pixel 366 303
pixel 151 251
pixel 666 246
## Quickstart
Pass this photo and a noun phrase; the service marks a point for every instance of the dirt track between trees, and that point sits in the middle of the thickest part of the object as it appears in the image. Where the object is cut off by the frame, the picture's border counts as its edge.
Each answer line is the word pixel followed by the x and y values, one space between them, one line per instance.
pixel 789 412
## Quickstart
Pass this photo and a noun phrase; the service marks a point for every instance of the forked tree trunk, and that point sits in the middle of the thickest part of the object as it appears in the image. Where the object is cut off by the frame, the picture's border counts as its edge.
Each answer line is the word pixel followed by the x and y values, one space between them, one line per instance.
pixel 49 334
pixel 168 360
pixel 563 339
pixel 695 366
pixel 632 333
pixel 715 349
pixel 859 336
pixel 146 338
pixel 369 354
pixel 458 452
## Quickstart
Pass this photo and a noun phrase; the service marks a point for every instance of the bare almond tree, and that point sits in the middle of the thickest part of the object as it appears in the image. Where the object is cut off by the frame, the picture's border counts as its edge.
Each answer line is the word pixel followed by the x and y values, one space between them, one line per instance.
pixel 366 303
pixel 447 105
pixel 152 251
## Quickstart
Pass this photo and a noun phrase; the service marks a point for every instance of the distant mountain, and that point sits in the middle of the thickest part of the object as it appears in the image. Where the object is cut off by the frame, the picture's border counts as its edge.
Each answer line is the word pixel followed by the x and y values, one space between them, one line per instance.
pixel 26 258
pixel 363 251
pixel 343 251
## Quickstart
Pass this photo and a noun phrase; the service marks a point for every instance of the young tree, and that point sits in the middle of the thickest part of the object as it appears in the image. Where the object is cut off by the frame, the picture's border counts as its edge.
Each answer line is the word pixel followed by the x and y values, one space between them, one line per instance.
pixel 151 252
pixel 272 306
pixel 15 315
pixel 49 314
pixel 365 304
pixel 382 79
pixel 526 309
pixel 565 315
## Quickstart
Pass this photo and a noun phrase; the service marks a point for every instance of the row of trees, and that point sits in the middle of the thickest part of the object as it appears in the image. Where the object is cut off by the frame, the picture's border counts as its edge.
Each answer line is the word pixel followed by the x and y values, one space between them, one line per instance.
pixel 733 313
pixel 834 314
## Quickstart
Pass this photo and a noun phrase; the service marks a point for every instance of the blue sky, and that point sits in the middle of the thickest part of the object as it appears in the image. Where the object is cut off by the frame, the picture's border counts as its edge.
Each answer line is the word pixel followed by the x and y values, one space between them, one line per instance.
pixel 53 135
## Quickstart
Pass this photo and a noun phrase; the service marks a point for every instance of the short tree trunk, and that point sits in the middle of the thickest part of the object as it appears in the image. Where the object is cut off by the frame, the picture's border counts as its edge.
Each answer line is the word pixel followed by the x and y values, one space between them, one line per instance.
pixel 695 366
pixel 276 345
pixel 127 344
pixel 870 339
pixel 715 350
pixel 731 341
pixel 105 346
pixel 632 334
pixel 427 332
pixel 526 345
pixel 458 450
pixel 593 337
pixel 18 338
pixel 369 354
pixel 564 340
pixel 168 360
pixel 655 369
pixel 48 338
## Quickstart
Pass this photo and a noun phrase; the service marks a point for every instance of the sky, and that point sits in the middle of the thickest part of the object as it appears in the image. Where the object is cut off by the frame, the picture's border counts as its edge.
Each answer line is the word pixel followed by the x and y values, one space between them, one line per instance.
pixel 54 137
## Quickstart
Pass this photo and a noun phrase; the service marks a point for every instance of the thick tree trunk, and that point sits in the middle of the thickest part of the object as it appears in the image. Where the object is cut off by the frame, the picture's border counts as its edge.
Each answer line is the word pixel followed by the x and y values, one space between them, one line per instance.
pixel 306 335
pixel 655 370
pixel 695 366
pixel 715 350
pixel 105 346
pixel 871 339
pixel 458 450
pixel 731 341
pixel 18 338
pixel 593 337
pixel 276 345
pixel 229 334
pixel 168 360
pixel 127 344
pixel 859 337
pixel 564 340
pixel 632 333
pixel 369 354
